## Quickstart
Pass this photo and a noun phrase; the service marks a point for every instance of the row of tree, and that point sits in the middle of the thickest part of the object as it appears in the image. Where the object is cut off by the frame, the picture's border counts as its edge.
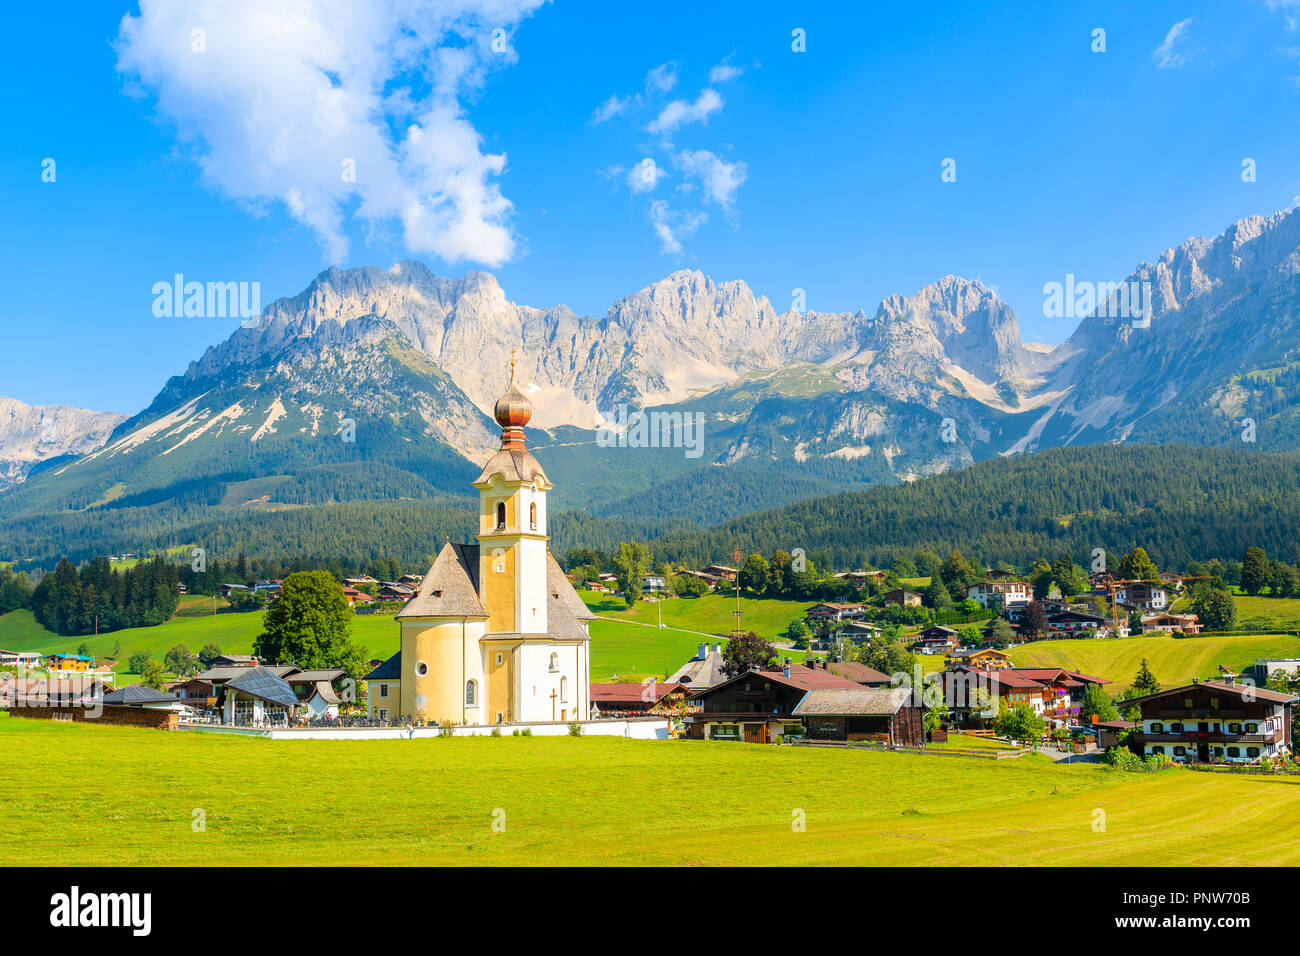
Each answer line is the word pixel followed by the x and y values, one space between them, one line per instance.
pixel 99 598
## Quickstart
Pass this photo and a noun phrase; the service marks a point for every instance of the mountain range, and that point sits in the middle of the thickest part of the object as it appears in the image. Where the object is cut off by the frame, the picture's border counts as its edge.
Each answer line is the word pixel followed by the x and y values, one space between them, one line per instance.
pixel 378 384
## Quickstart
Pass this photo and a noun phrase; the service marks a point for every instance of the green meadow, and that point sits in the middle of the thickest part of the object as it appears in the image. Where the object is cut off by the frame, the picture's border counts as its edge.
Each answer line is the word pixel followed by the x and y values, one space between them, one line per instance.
pixel 1173 660
pixel 603 801
pixel 710 614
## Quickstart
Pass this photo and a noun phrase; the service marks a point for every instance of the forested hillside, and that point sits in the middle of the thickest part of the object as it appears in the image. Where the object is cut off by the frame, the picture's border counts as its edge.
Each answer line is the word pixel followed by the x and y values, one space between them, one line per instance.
pixel 1179 502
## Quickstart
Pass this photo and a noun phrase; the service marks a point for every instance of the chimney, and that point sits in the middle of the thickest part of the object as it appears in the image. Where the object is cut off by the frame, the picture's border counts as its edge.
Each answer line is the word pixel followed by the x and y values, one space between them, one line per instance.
pixel 785 671
pixel 717 648
pixel 825 665
pixel 810 663
pixel 702 652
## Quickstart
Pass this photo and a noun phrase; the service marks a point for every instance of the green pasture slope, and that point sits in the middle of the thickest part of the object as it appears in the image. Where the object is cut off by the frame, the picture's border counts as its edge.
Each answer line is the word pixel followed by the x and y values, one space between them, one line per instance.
pixel 433 802
pixel 1173 660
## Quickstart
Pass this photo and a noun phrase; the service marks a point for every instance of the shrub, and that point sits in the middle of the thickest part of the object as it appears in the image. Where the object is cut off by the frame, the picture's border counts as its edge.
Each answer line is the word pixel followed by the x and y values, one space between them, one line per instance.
pixel 496 732
pixel 1121 758
pixel 446 729
pixel 526 732
pixel 575 729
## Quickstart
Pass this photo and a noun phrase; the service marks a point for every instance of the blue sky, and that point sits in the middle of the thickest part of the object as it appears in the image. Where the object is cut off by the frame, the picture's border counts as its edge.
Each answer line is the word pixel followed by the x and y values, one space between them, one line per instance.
pixel 817 170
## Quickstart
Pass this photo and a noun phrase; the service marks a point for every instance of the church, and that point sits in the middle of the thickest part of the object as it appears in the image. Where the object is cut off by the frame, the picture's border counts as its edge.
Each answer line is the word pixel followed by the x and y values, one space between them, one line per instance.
pixel 496 633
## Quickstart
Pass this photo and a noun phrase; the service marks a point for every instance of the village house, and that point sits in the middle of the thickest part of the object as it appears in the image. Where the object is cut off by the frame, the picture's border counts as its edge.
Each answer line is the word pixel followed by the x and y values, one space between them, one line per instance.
pixel 194 692
pixel 858 631
pixel 996 595
pixel 757 706
pixel 1148 597
pixel 936 639
pixel 902 597
pixel 820 613
pixel 258 696
pixel 859 578
pixel 721 572
pixel 66 665
pixel 859 673
pixel 709 579
pixel 1264 667
pixel 701 671
pixel 884 715
pixel 25 659
pixel 1212 720
pixel 395 591
pixel 631 699
pixel 983 658
pixel 1171 623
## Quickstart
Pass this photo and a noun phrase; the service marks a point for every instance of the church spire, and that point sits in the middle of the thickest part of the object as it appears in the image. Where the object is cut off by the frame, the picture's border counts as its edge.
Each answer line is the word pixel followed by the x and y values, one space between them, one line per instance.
pixel 513 410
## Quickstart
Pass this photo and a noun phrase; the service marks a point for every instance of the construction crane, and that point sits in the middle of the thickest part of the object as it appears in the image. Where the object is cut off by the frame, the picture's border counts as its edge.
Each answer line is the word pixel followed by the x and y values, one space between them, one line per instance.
pixel 1114 584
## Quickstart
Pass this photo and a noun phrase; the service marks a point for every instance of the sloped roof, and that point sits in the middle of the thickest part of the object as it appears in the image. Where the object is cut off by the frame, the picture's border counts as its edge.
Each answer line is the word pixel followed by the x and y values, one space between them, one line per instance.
pixel 259 681
pixel 561 589
pixel 450 589
pixel 325 692
pixel 700 673
pixel 512 464
pixel 858 672
pixel 629 692
pixel 1236 690
pixel 234 671
pixel 390 669
pixel 314 676
pixel 856 701
pixel 134 695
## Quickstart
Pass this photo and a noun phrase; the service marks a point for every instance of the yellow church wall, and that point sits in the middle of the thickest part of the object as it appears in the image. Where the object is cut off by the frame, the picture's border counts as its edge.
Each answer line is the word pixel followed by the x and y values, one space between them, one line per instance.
pixel 450 651
pixel 497 580
pixel 377 700
pixel 500 681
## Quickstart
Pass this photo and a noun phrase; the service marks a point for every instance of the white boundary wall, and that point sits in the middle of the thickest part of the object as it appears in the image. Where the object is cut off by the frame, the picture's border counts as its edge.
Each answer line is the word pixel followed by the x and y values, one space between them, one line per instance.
pixel 637 728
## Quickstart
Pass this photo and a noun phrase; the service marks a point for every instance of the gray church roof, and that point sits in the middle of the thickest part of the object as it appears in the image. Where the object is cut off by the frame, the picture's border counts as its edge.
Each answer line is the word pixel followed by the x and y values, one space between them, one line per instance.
pixel 450 589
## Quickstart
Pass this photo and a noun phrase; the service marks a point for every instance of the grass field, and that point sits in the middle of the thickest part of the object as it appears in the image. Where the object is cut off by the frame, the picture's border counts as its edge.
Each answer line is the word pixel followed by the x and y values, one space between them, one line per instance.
pixel 630 650
pixel 1174 661
pixel 711 614
pixel 600 801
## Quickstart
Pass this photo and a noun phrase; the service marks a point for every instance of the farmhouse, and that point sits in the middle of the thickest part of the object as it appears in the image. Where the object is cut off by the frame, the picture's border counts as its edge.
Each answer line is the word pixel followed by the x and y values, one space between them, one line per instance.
pixel 1000 594
pixel 1171 623
pixel 258 695
pixel 702 670
pixel 902 597
pixel 757 706
pixel 628 698
pixel 19 659
pixel 936 639
pixel 986 658
pixel 886 715
pixel 1213 720
pixel 495 633
pixel 859 673
pixel 836 612
pixel 1148 597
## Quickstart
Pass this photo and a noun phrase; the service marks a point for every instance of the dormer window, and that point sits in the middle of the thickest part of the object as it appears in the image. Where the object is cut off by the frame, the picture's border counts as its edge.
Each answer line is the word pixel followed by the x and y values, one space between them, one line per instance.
pixel 501 515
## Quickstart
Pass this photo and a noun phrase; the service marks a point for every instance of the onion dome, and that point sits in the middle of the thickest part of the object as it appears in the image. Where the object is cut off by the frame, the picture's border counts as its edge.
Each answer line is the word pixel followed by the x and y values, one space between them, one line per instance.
pixel 512 412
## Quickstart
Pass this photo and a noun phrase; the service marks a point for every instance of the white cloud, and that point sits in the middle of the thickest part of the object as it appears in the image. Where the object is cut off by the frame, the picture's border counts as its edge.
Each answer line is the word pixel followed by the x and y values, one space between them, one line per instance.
pixel 662 78
pixel 718 178
pixel 679 112
pixel 1176 49
pixel 645 176
pixel 610 108
pixel 285 93
pixel 672 226
pixel 1290 11
pixel 724 72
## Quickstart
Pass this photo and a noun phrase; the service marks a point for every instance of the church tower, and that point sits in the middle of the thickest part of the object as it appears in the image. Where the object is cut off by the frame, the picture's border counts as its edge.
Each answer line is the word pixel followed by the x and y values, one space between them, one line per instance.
pixel 512 524
pixel 496 634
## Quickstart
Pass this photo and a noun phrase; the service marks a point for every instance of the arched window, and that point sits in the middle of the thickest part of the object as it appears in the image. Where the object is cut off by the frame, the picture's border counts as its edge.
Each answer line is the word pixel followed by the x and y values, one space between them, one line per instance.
pixel 532 515
pixel 555 662
pixel 501 515
pixel 471 694
pixel 564 688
